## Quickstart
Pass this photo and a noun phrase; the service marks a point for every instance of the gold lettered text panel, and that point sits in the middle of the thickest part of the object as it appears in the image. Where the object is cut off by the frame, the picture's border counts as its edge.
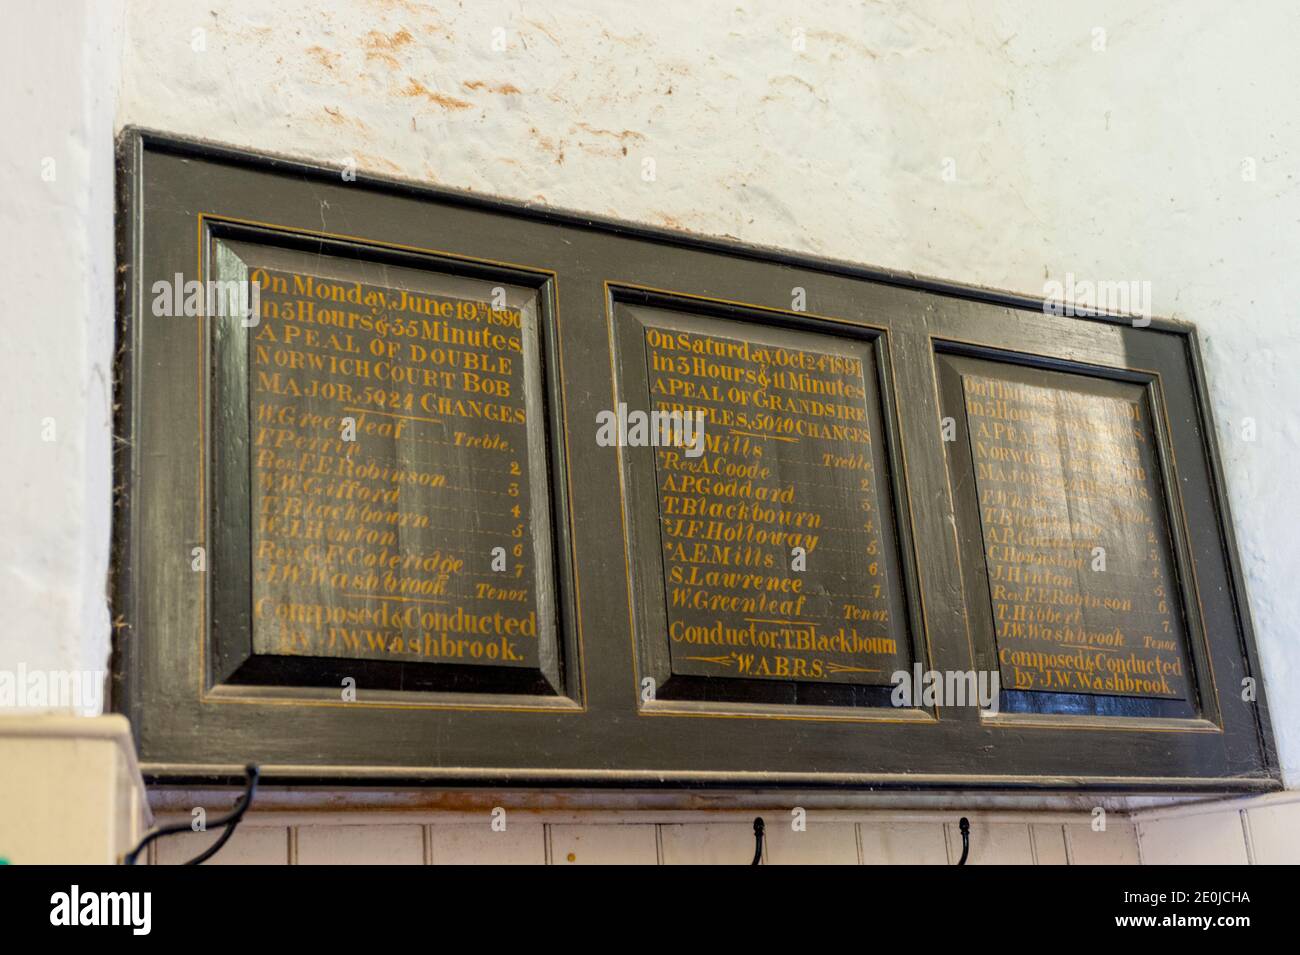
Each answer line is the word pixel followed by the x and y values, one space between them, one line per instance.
pixel 1060 488
pixel 398 499
pixel 766 537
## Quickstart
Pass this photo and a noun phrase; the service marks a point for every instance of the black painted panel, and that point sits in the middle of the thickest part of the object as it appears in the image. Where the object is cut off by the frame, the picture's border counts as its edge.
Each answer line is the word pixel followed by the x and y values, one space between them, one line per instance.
pixel 208 691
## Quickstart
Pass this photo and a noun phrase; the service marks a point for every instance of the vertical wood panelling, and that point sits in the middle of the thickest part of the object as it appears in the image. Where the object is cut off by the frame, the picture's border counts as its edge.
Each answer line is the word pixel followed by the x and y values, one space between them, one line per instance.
pixel 822 843
pixel 999 843
pixel 1048 840
pixel 358 845
pixel 903 843
pixel 250 845
pixel 1201 839
pixel 893 840
pixel 521 843
pixel 1274 833
pixel 604 845
pixel 1117 845
pixel 707 844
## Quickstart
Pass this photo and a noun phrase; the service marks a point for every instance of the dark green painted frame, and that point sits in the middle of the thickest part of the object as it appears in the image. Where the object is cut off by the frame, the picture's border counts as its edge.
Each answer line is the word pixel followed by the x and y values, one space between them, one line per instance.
pixel 602 736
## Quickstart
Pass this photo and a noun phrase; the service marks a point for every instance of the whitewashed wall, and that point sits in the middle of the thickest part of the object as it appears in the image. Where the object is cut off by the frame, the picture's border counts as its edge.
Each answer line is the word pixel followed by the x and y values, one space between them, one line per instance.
pixel 59 70
pixel 1105 140
pixel 1122 140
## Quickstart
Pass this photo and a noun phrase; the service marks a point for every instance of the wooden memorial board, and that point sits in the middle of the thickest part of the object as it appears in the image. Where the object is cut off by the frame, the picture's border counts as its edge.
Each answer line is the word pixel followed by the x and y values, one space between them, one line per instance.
pixel 375 531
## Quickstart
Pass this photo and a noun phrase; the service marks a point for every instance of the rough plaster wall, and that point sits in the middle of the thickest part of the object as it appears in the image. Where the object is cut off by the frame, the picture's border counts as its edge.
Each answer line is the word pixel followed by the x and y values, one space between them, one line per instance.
pixel 1122 163
pixel 61 64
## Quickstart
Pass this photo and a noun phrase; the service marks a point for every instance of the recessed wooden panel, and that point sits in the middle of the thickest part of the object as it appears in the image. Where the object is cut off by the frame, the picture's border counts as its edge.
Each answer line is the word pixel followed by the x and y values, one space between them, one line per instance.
pixel 381 496
pixel 1059 474
pixel 772 537
pixel 399 500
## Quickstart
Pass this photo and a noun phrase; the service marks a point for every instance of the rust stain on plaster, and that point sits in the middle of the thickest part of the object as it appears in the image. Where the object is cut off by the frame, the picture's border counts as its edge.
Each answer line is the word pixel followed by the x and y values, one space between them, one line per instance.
pixel 549 145
pixel 504 89
pixel 415 88
pixel 368 161
pixel 339 118
pixel 382 46
pixel 374 40
pixel 541 29
pixel 413 7
pixel 840 39
pixel 383 57
pixel 791 79
pixel 622 137
pixel 626 40
pixel 323 56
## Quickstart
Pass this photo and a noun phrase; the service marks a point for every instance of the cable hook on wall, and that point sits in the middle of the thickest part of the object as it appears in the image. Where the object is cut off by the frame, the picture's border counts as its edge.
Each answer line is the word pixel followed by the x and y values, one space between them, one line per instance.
pixel 963 826
pixel 758 840
pixel 229 821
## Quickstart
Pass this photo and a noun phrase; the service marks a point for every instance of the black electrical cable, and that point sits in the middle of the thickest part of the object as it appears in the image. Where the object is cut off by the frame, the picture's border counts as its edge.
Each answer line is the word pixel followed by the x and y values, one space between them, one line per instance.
pixel 229 821
pixel 964 828
pixel 758 840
